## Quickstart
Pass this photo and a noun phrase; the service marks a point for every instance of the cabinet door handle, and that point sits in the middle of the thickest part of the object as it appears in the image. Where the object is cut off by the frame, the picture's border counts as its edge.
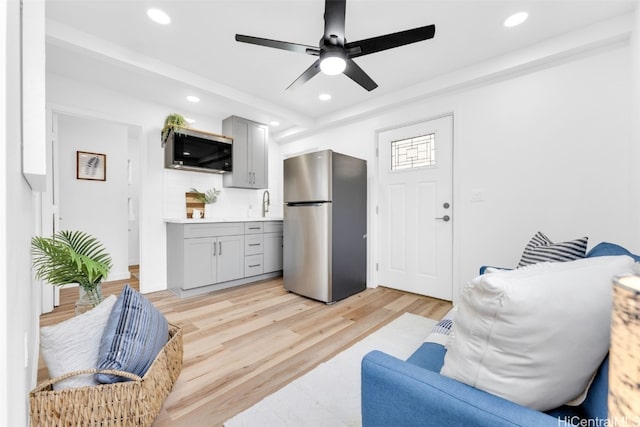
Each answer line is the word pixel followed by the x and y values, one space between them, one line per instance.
pixel 254 265
pixel 219 248
pixel 254 244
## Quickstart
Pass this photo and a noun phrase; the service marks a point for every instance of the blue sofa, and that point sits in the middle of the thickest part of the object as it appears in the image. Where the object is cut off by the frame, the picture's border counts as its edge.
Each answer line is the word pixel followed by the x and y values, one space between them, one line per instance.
pixel 412 393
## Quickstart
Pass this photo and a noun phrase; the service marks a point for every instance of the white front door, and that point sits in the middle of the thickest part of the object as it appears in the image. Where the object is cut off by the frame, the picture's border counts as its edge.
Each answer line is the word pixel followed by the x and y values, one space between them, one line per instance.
pixel 415 212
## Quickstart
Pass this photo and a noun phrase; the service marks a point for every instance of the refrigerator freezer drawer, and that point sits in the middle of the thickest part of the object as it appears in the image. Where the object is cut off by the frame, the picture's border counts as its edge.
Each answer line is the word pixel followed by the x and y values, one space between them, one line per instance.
pixel 307 247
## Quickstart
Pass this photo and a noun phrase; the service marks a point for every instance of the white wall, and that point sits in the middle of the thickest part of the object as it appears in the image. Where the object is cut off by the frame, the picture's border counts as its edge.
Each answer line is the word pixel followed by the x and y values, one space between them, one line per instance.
pixel 96 207
pixel 232 202
pixel 548 149
pixel 19 296
pixel 4 389
pixel 635 155
pixel 161 190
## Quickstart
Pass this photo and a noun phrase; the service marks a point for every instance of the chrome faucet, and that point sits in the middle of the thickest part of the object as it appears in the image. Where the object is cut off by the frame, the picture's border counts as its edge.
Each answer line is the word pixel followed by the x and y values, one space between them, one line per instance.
pixel 266 201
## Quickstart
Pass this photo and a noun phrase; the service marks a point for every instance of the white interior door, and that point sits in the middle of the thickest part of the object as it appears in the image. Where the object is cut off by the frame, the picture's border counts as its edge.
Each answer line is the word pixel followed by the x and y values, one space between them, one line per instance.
pixel 415 212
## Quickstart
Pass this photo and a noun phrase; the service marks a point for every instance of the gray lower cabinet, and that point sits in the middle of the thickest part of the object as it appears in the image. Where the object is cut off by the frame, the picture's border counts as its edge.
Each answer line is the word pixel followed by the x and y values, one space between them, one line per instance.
pixel 230 258
pixel 222 254
pixel 254 247
pixel 210 260
pixel 204 254
pixel 199 262
pixel 273 242
pixel 272 252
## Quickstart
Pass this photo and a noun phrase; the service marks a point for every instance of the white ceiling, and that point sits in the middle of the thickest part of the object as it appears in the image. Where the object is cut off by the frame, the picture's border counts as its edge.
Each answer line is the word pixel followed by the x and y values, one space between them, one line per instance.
pixel 113 43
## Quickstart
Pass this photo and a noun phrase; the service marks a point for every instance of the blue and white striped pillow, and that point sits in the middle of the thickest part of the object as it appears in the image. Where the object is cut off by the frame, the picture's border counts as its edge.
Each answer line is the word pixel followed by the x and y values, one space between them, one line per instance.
pixel 541 249
pixel 441 332
pixel 135 333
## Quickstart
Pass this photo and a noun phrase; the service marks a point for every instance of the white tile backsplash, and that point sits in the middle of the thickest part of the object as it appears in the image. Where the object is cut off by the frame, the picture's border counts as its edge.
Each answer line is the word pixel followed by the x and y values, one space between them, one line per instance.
pixel 232 202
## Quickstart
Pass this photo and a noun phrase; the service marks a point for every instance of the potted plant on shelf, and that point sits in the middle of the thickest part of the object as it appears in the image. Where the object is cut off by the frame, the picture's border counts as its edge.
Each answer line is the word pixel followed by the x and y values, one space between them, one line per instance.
pixel 208 198
pixel 72 257
pixel 172 121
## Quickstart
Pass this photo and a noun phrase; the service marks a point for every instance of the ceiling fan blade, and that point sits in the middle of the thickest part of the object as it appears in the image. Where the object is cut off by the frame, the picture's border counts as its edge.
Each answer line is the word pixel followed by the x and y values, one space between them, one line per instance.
pixel 293 47
pixel 389 41
pixel 334 11
pixel 306 76
pixel 357 74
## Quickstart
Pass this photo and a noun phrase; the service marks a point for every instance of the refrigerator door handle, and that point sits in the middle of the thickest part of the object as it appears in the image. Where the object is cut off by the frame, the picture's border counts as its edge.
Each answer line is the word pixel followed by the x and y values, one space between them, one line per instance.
pixel 306 204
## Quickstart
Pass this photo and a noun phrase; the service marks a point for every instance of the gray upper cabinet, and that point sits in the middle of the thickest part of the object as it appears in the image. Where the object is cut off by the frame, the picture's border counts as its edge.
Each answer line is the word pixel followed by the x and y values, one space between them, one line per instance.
pixel 250 153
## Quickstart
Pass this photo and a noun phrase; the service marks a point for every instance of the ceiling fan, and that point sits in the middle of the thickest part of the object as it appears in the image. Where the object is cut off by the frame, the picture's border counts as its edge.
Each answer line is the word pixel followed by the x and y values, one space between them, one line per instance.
pixel 335 54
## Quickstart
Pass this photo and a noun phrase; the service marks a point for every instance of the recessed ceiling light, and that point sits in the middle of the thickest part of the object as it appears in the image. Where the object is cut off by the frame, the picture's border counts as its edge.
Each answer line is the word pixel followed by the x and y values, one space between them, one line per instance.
pixel 516 19
pixel 190 121
pixel 324 97
pixel 158 16
pixel 274 123
pixel 192 98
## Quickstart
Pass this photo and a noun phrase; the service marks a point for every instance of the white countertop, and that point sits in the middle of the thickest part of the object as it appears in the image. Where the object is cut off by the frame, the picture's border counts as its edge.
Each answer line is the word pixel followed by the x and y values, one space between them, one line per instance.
pixel 209 220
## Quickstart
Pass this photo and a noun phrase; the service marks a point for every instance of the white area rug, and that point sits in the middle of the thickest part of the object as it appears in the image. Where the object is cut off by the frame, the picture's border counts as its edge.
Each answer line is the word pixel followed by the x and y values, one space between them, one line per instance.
pixel 329 395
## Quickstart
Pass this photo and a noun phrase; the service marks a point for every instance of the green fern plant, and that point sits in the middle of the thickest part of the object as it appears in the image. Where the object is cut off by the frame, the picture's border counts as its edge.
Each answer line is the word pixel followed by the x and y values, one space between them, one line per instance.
pixel 208 197
pixel 71 257
pixel 173 121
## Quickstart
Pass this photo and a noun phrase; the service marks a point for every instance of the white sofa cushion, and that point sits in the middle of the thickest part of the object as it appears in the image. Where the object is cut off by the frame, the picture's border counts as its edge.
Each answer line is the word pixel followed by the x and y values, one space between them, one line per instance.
pixel 537 334
pixel 74 345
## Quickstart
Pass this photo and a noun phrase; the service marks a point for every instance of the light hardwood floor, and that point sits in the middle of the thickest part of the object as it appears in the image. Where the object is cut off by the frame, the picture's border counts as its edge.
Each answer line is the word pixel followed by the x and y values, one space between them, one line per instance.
pixel 244 343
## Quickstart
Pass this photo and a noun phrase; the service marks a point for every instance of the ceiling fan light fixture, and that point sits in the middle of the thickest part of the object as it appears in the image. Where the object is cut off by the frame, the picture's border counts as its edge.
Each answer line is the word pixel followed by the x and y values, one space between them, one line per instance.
pixel 333 63
pixel 334 55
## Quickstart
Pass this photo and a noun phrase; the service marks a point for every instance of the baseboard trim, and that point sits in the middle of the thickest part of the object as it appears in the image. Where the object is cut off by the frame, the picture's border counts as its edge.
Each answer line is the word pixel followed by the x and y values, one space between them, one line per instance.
pixel 187 293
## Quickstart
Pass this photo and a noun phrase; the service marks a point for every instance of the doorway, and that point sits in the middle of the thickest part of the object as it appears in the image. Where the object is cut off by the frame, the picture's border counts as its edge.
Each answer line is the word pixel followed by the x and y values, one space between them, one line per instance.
pixel 415 212
pixel 106 207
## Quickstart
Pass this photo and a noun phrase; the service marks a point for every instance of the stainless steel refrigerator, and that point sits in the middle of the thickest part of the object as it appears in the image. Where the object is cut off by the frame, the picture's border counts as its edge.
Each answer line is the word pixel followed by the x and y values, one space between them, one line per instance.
pixel 325 225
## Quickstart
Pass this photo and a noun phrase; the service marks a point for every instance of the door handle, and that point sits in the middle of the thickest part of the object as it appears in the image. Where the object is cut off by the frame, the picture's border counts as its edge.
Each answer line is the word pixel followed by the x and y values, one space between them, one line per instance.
pixel 219 248
pixel 445 218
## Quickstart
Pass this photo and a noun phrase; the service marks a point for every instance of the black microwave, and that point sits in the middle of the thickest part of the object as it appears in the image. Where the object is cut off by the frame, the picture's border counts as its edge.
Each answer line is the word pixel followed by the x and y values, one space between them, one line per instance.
pixel 190 149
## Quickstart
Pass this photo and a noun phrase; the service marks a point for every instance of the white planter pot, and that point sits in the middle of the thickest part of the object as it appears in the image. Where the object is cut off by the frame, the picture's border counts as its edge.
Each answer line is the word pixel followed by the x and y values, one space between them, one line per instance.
pixel 209 210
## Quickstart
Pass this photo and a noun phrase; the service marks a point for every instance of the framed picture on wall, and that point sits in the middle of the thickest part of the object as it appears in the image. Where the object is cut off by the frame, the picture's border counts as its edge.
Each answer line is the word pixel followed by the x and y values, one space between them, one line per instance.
pixel 91 166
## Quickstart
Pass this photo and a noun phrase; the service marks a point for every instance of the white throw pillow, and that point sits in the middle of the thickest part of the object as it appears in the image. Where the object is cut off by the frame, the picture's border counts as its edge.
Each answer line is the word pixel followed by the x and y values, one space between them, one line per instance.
pixel 74 345
pixel 535 335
